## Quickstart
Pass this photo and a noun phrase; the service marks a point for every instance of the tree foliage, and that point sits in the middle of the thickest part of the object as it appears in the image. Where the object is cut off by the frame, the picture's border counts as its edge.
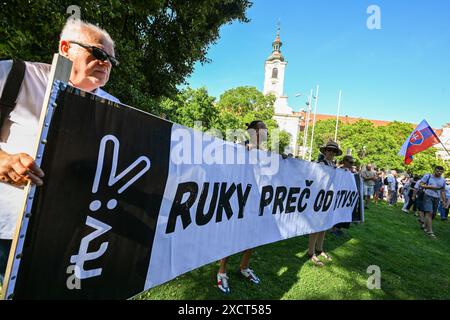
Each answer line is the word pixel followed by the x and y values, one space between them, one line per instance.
pixel 376 145
pixel 190 106
pixel 157 41
pixel 235 109
pixel 242 105
pixel 247 104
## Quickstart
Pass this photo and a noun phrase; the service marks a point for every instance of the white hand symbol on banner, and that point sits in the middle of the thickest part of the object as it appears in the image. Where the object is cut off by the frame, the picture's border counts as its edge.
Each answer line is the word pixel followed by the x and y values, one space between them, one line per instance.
pixel 113 178
pixel 101 228
pixel 83 254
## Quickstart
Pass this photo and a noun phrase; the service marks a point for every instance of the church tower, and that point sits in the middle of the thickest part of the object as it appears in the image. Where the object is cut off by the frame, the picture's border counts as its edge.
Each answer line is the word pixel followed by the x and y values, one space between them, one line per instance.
pixel 274 69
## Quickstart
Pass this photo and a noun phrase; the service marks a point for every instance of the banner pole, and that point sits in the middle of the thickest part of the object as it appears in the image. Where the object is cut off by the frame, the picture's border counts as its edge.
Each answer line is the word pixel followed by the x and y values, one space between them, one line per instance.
pixel 314 123
pixel 337 115
pixel 60 70
pixel 308 115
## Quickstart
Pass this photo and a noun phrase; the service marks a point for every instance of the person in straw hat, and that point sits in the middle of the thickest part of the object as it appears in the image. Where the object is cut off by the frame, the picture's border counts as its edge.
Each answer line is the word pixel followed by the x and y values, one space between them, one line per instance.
pixel 315 244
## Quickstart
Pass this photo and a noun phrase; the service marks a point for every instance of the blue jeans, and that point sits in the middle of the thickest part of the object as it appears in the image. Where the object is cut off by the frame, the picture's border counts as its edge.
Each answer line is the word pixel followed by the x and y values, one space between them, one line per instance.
pixel 393 197
pixel 442 211
pixel 5 246
pixel 430 205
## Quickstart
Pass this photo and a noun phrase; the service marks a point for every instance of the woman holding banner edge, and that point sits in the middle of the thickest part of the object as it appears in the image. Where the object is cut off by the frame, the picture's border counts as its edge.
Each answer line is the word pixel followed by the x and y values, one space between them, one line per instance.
pixel 258 135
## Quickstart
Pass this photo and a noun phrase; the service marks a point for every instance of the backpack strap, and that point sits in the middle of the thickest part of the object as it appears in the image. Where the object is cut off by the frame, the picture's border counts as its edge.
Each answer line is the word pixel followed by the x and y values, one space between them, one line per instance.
pixel 11 90
pixel 428 181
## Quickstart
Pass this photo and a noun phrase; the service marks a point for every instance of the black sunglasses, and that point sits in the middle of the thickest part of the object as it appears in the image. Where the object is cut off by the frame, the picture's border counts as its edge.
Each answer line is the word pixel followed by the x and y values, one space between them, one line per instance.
pixel 98 53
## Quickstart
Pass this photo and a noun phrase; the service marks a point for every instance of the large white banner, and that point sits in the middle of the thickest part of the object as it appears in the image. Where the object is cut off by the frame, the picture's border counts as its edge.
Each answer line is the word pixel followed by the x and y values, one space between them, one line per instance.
pixel 213 210
pixel 149 201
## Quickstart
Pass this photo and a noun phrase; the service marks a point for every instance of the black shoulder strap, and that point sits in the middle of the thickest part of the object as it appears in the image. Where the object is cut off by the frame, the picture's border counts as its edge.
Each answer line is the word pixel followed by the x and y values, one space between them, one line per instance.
pixel 11 90
pixel 428 180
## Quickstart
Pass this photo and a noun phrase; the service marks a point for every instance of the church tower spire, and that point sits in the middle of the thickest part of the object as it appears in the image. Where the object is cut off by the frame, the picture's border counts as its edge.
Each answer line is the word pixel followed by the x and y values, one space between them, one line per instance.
pixel 275 66
pixel 276 47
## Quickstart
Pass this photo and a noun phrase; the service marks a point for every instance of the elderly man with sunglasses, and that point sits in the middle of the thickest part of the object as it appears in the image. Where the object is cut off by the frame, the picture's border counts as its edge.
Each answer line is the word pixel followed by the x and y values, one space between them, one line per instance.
pixel 91 51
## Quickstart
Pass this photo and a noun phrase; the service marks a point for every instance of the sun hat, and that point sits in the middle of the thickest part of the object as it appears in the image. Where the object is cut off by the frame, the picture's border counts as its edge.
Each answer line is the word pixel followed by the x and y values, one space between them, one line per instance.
pixel 331 145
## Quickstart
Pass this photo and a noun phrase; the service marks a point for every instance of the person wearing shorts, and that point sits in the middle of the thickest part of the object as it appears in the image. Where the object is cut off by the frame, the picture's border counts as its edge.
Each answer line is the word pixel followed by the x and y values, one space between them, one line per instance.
pixel 379 187
pixel 434 188
pixel 369 178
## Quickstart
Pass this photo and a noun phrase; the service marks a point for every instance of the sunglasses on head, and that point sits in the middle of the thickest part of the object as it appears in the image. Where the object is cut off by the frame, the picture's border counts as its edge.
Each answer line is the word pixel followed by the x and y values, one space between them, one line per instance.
pixel 98 53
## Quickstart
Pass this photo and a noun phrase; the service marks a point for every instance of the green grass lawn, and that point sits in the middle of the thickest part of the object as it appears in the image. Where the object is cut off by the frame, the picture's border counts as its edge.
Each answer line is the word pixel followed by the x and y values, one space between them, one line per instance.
pixel 413 266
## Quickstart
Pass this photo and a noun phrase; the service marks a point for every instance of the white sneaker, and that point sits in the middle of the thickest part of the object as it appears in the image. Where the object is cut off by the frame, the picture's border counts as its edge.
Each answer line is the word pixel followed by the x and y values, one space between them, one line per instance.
pixel 250 275
pixel 405 211
pixel 222 283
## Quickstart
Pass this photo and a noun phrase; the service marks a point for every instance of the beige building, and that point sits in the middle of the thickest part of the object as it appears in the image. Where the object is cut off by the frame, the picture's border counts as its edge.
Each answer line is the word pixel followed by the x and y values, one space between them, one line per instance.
pixel 274 71
pixel 294 122
pixel 444 136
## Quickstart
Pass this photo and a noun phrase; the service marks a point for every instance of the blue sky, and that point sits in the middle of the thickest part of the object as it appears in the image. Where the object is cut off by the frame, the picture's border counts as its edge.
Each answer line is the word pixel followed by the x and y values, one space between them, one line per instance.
pixel 401 72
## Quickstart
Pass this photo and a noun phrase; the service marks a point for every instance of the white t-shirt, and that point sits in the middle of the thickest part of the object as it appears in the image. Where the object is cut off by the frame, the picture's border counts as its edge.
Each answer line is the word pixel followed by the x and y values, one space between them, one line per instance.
pixel 431 180
pixel 447 191
pixel 19 134
pixel 406 187
pixel 391 180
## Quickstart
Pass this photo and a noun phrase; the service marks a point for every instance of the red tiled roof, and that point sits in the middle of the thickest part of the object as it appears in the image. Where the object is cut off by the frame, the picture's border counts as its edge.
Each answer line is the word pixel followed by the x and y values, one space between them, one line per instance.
pixel 344 119
pixel 350 120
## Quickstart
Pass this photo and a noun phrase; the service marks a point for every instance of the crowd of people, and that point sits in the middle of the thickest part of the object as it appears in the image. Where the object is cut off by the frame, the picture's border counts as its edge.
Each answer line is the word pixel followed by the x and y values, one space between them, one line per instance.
pixel 91 51
pixel 316 252
pixel 424 196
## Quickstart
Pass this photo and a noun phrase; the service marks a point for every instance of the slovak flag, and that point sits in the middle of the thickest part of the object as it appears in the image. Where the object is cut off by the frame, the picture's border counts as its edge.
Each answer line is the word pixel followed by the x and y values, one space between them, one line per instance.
pixel 422 138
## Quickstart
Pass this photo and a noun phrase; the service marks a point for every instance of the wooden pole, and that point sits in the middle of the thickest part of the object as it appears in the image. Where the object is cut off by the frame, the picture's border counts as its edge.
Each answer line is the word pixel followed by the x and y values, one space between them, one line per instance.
pixel 60 70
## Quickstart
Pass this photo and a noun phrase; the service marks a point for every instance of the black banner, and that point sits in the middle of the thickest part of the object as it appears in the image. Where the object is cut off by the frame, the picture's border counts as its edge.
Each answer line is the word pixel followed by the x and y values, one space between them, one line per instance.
pixel 123 208
pixel 78 126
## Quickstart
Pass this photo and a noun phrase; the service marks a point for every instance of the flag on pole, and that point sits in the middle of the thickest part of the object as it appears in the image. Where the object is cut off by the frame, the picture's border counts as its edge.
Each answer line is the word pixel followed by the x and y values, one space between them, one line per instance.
pixel 422 138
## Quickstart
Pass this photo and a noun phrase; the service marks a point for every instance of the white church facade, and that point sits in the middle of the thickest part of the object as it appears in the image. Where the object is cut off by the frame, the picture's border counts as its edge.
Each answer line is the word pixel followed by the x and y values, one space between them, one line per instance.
pixel 274 71
pixel 445 139
pixel 293 122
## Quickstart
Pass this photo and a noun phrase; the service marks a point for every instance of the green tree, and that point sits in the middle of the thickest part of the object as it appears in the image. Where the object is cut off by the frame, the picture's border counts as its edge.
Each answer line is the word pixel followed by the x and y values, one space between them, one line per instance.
pixel 248 104
pixel 376 145
pixel 157 41
pixel 242 105
pixel 190 106
pixel 425 162
pixel 284 140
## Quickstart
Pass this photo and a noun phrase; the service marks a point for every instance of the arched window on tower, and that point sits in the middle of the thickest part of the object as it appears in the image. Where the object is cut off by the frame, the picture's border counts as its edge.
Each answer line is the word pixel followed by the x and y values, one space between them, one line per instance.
pixel 274 73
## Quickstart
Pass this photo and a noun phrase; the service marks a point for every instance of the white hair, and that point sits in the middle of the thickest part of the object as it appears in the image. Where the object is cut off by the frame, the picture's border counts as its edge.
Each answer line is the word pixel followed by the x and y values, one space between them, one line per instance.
pixel 74 30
